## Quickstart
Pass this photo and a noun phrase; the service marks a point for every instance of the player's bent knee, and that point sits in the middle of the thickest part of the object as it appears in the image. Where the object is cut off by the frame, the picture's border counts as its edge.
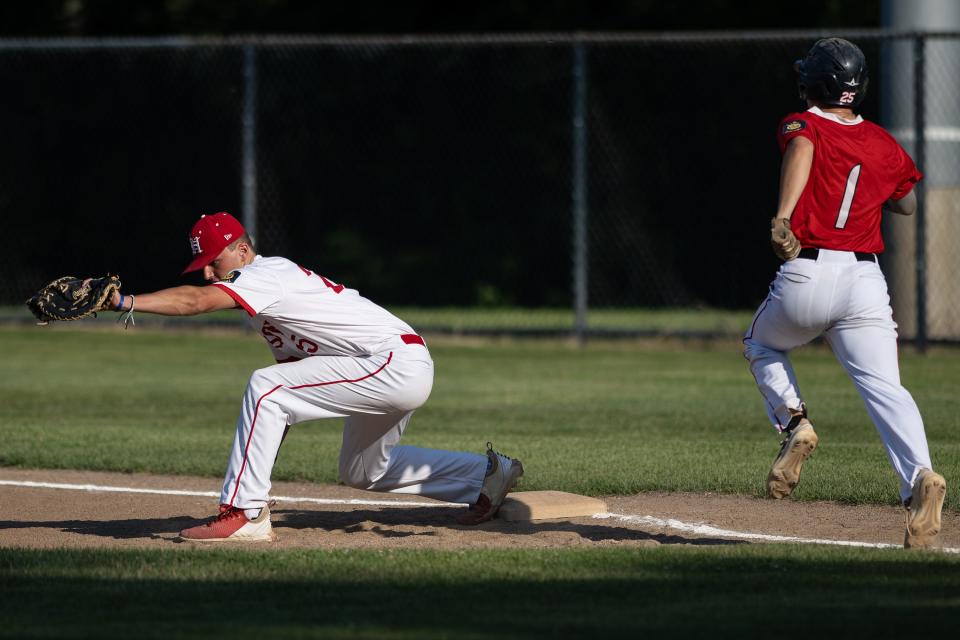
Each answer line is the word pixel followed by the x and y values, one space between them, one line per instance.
pixel 353 474
pixel 753 350
pixel 356 480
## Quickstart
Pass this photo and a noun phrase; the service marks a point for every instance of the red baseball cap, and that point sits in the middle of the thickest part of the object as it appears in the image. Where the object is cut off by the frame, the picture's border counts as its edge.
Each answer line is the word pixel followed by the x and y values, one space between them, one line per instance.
pixel 211 235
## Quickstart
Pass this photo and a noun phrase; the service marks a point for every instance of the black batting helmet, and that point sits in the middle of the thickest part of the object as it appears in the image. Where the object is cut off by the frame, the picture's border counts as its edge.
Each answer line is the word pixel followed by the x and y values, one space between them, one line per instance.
pixel 834 72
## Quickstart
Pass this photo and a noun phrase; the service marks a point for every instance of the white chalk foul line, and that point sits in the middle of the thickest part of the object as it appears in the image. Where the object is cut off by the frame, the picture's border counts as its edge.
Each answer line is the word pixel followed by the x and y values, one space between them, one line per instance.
pixel 707 530
pixel 677 525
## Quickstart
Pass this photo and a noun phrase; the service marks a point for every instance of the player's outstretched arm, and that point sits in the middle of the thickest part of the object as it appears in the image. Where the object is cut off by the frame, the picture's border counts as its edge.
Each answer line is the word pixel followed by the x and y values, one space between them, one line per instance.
pixel 177 301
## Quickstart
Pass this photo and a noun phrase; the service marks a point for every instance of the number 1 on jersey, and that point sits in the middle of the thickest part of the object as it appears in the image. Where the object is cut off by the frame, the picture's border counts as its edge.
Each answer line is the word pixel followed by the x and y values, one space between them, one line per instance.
pixel 852 178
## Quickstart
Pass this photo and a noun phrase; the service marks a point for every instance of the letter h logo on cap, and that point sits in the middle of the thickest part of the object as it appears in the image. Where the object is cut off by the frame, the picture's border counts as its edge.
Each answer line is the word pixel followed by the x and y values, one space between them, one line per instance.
pixel 210 236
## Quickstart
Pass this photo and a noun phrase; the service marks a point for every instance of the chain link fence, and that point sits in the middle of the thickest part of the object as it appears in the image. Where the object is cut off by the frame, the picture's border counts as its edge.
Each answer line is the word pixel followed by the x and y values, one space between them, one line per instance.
pixel 552 182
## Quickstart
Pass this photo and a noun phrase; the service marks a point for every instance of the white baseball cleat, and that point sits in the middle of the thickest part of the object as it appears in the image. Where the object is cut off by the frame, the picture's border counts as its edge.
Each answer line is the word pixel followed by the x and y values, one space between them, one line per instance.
pixel 794 450
pixel 923 510
pixel 232 525
pixel 502 476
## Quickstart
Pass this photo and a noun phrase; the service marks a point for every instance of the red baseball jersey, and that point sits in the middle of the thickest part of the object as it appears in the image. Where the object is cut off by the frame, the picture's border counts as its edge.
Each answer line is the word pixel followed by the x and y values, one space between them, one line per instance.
pixel 857 166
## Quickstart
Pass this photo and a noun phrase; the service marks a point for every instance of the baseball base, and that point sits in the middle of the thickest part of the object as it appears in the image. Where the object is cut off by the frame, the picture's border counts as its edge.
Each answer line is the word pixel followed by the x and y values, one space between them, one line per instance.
pixel 545 505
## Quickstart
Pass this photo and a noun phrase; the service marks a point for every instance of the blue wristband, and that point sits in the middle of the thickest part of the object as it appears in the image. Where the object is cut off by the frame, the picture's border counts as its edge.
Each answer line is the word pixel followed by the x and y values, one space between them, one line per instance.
pixel 120 304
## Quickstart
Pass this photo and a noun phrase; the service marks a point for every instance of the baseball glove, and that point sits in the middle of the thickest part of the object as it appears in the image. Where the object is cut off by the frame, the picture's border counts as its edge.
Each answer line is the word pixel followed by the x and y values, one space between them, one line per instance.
pixel 71 298
pixel 784 243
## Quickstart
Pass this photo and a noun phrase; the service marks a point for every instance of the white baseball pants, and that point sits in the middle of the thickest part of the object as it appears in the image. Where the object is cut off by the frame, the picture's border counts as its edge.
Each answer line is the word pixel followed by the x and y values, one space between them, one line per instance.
pixel 377 395
pixel 846 301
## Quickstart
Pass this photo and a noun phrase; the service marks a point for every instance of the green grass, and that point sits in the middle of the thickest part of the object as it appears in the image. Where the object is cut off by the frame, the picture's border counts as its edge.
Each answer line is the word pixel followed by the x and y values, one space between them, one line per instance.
pixel 727 591
pixel 614 418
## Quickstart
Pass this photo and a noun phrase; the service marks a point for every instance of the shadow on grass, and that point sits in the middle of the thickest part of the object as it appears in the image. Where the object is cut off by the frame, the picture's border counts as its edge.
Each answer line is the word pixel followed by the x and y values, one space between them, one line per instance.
pixel 736 592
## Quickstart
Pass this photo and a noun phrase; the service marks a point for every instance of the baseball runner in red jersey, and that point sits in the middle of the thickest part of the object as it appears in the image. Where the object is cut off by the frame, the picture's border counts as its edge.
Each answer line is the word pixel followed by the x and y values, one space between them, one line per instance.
pixel 338 355
pixel 839 172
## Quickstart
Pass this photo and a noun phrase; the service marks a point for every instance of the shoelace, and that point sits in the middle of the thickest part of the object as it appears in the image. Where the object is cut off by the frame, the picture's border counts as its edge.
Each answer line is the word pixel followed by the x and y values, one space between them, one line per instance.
pixel 783 444
pixel 226 513
pixel 490 448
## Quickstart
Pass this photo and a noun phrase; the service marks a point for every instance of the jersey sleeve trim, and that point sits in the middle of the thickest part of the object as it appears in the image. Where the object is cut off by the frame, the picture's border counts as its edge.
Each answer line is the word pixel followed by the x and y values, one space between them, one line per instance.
pixel 907 188
pixel 236 296
pixel 795 126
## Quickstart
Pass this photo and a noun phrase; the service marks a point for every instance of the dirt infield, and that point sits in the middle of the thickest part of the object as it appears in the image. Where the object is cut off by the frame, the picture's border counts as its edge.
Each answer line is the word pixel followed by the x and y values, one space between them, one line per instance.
pixel 47 517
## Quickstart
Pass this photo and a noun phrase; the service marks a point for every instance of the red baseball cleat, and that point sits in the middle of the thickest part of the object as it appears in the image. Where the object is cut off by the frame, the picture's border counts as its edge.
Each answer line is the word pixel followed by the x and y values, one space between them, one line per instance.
pixel 232 525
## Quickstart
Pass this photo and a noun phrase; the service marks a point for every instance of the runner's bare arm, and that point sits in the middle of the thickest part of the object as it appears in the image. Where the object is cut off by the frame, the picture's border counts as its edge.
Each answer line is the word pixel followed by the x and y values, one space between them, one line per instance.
pixel 794 172
pixel 905 206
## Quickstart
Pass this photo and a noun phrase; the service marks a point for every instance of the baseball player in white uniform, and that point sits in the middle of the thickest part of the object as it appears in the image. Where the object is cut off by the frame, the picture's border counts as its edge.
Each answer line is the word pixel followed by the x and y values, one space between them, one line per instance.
pixel 338 355
pixel 838 172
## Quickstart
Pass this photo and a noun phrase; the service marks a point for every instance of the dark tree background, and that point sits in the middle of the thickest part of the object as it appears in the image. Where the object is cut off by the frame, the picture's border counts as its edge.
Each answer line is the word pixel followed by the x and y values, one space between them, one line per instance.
pixel 432 174
pixel 154 17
